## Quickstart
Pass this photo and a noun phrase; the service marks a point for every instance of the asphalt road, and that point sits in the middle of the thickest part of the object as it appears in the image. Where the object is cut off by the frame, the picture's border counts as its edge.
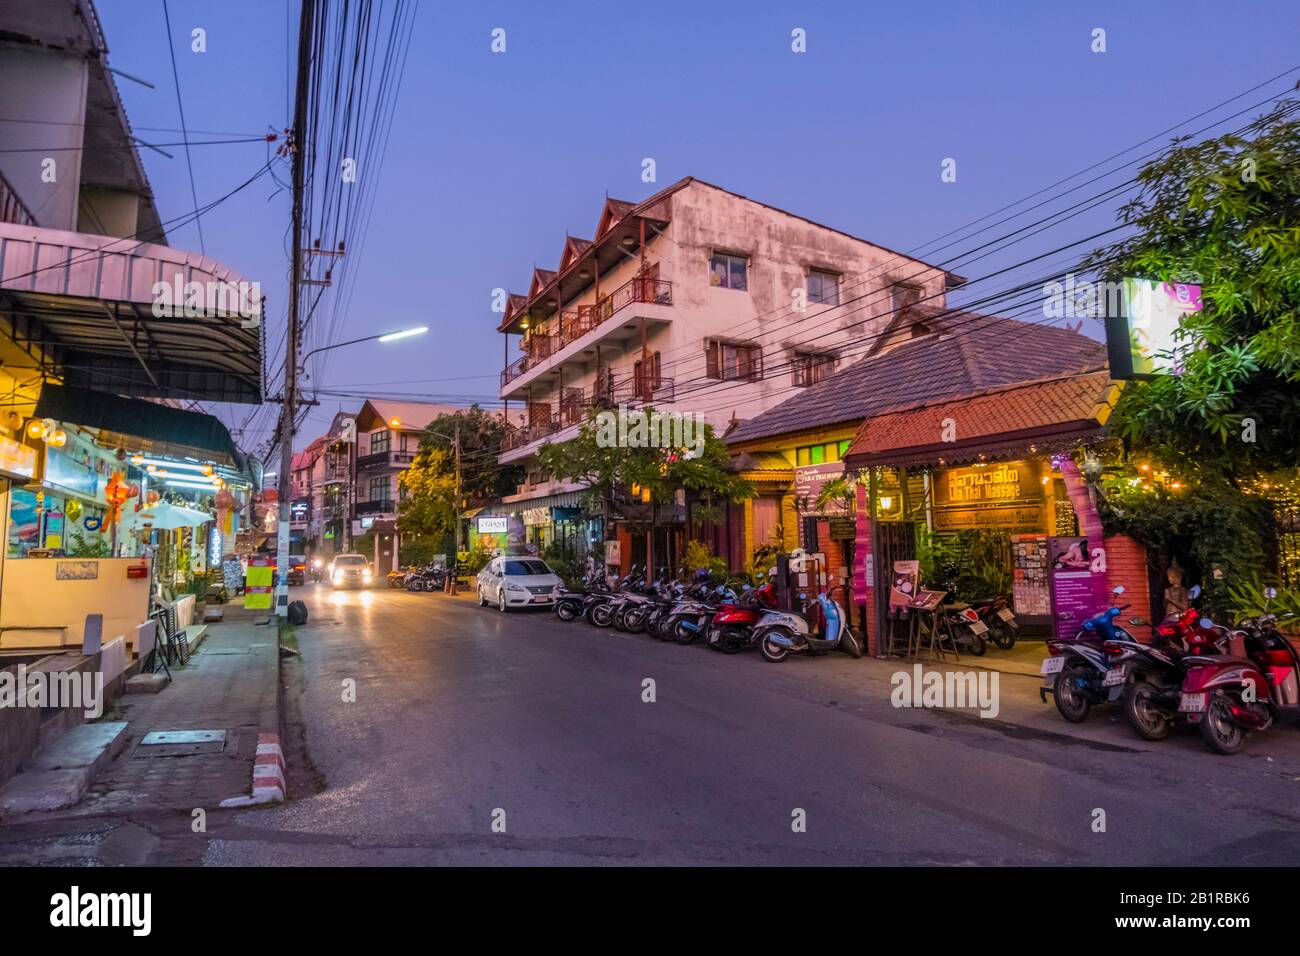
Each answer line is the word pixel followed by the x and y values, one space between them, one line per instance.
pixel 464 717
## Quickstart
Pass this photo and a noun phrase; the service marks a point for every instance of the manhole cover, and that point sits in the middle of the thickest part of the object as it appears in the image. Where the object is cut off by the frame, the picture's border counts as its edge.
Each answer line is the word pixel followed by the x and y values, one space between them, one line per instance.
pixel 181 743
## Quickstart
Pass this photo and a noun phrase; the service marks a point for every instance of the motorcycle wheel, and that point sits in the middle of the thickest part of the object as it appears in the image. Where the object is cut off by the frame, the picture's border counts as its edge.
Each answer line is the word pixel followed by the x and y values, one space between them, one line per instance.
pixel 977 645
pixel 619 619
pixel 732 640
pixel 1071 699
pixel 634 621
pixel 774 653
pixel 564 611
pixel 680 632
pixel 1143 715
pixel 415 585
pixel 1219 731
pixel 600 615
pixel 850 645
pixel 1004 638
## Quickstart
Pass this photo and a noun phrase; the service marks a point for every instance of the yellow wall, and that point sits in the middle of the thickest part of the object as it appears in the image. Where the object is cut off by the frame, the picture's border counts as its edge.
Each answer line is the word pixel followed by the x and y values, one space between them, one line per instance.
pixel 31 596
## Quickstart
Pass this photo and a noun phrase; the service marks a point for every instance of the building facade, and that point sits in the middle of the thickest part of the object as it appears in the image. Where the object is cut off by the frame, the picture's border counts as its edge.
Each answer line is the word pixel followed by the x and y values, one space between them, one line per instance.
pixel 699 301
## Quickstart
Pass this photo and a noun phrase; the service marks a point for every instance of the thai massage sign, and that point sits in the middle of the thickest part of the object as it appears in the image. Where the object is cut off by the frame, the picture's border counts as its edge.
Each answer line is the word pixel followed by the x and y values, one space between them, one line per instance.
pixel 1003 495
pixel 808 483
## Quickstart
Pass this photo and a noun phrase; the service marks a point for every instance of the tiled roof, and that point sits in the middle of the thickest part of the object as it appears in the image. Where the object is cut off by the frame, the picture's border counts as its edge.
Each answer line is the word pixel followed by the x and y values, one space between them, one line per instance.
pixel 1053 409
pixel 970 352
pixel 412 415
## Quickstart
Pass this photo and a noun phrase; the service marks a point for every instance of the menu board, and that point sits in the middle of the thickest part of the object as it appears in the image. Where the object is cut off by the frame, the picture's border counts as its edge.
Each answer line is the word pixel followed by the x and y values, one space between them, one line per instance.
pixel 1031 590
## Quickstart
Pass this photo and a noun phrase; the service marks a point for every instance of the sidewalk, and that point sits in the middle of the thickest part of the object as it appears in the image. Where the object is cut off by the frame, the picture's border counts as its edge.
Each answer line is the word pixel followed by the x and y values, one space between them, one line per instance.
pixel 231 684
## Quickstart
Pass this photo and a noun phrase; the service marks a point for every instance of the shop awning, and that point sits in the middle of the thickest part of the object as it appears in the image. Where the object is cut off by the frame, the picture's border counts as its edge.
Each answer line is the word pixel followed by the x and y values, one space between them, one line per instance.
pixel 86 306
pixel 1026 418
pixel 140 425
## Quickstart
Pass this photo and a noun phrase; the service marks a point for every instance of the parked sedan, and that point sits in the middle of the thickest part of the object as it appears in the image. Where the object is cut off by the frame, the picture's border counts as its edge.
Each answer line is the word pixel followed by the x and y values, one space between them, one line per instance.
pixel 517 582
pixel 350 571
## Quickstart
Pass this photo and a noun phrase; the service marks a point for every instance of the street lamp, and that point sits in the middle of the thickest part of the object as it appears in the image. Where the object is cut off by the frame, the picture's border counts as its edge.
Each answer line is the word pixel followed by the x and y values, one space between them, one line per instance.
pixel 380 337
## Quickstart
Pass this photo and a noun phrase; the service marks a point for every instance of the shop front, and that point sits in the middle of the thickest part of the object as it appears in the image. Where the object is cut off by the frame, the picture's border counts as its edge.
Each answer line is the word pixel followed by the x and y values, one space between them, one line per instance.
pixel 985 497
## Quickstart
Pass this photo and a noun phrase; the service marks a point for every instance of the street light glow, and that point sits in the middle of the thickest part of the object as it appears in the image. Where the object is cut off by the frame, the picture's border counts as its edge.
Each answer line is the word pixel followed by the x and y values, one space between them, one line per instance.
pixel 404 333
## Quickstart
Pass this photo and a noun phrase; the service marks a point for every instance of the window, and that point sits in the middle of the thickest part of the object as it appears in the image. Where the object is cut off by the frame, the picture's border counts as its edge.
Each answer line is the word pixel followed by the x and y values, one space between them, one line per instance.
pixel 827 453
pixel 380 489
pixel 808 368
pixel 732 361
pixel 379 441
pixel 647 385
pixel 823 288
pixel 729 272
pixel 905 296
pixel 526 567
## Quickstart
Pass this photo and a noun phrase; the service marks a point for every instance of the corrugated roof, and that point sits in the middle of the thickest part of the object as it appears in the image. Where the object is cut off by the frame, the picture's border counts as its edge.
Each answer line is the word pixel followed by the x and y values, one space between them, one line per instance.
pixel 1057 409
pixel 974 352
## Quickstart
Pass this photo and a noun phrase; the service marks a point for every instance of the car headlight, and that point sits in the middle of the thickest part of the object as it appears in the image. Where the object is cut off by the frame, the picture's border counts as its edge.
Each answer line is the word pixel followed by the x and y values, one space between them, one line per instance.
pixel 515 587
pixel 337 577
pixel 365 575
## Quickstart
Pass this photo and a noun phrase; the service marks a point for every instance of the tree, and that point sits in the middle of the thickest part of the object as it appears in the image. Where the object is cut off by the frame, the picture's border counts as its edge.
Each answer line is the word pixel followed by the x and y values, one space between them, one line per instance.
pixel 429 507
pixel 481 435
pixel 1223 213
pixel 637 481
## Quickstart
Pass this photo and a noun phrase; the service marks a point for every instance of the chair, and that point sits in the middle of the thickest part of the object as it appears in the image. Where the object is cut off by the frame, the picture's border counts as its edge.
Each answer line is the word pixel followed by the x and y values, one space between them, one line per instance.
pixel 146 647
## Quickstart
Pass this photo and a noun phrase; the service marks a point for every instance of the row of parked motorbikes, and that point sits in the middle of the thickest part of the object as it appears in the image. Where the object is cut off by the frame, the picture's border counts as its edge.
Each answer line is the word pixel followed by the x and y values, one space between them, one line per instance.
pixel 430 577
pixel 1225 681
pixel 726 618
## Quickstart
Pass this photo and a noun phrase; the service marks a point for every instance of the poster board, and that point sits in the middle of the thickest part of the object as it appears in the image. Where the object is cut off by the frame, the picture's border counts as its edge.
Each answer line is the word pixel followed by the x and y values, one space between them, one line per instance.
pixel 259 589
pixel 1073 593
pixel 1031 586
pixel 904 588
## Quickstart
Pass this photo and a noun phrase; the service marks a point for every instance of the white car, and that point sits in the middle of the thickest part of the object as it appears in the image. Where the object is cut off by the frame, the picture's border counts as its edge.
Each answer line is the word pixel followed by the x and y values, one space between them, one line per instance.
pixel 517 582
pixel 350 571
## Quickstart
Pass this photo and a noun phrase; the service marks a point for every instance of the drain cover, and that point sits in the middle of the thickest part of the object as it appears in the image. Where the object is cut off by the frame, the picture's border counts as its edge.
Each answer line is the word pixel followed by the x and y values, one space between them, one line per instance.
pixel 181 743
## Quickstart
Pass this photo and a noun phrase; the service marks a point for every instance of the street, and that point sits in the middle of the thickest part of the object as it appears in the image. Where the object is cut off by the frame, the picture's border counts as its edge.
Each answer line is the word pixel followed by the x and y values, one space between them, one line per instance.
pixel 463 715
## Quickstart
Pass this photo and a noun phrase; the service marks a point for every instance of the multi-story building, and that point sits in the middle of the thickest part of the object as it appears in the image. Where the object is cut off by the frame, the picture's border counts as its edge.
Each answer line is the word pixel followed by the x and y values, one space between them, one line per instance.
pixel 695 300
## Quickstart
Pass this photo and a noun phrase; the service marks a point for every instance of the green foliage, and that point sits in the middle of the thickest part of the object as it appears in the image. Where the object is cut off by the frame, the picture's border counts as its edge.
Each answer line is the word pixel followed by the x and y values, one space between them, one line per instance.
pixel 481 433
pixel 80 547
pixel 419 549
pixel 1246 598
pixel 612 470
pixel 841 489
pixel 700 555
pixel 1212 522
pixel 1223 213
pixel 970 564
pixel 429 508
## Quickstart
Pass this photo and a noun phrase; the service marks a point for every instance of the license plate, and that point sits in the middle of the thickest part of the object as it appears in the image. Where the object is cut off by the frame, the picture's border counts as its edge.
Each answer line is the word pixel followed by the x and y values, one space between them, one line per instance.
pixel 713 636
pixel 979 627
pixel 540 600
pixel 1005 613
pixel 1113 677
pixel 1191 703
pixel 1053 665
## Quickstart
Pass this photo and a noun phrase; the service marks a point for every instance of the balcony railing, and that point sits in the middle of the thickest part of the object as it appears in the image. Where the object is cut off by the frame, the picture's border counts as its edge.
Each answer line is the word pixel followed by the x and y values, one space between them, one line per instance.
pixel 385 459
pixel 11 207
pixel 572 324
pixel 546 418
pixel 384 506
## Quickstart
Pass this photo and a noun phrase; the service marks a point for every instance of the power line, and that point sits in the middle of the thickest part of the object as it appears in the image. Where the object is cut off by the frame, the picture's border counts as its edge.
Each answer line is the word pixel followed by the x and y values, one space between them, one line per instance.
pixel 180 107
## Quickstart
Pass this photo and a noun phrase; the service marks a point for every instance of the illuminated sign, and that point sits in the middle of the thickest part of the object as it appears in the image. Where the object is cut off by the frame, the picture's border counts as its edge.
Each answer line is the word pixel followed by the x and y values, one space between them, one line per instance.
pixel 16 460
pixel 492 524
pixel 1146 338
pixel 1001 496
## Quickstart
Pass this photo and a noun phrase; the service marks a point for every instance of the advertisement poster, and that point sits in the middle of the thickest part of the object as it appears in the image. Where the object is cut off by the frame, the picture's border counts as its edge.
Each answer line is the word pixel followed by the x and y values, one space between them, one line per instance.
pixel 259 590
pixel 1031 586
pixel 903 590
pixel 1073 600
pixel 808 483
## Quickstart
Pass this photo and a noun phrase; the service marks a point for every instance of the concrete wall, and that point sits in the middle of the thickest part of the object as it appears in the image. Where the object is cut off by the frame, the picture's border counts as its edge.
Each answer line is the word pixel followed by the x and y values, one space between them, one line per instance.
pixel 32 597
pixel 42 85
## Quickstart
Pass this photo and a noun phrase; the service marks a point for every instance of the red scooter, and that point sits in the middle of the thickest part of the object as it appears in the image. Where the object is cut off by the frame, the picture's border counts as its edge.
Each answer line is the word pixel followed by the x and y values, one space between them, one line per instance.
pixel 732 627
pixel 1228 695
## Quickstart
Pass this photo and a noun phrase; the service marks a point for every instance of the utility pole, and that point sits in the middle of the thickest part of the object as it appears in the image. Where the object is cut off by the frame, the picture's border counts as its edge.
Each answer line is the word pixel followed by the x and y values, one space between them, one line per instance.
pixel 455 541
pixel 291 351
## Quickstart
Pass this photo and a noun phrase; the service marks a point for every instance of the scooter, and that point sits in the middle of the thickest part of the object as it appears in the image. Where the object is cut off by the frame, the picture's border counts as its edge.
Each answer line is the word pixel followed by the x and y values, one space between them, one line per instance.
pixel 735 624
pixel 690 620
pixel 1003 628
pixel 1229 696
pixel 967 630
pixel 1079 674
pixel 317 570
pixel 782 633
pixel 397 578
pixel 428 578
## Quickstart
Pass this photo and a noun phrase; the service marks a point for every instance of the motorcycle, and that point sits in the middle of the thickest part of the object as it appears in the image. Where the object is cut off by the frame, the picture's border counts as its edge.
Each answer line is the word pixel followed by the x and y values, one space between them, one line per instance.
pixel 782 633
pixel 397 578
pixel 317 570
pixel 1228 695
pixel 1000 620
pixel 967 630
pixel 734 625
pixel 428 578
pixel 572 604
pixel 692 618
pixel 1078 674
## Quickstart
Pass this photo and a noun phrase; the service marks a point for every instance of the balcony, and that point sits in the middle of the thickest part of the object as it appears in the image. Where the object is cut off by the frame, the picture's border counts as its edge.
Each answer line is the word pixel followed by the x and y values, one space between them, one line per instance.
pixel 546 419
pixel 383 507
pixel 570 325
pixel 385 459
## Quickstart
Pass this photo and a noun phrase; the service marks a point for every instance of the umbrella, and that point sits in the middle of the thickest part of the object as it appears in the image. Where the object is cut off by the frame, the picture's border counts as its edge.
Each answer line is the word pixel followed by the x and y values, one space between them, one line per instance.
pixel 167 517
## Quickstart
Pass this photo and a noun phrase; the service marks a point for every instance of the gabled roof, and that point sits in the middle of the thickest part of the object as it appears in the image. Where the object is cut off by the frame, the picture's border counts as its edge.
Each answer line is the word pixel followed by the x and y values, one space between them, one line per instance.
pixel 974 352
pixel 573 247
pixel 541 279
pixel 993 423
pixel 612 212
pixel 412 416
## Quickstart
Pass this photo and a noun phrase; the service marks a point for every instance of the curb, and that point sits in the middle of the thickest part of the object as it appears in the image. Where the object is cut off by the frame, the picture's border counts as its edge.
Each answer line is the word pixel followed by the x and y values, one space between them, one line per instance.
pixel 268 784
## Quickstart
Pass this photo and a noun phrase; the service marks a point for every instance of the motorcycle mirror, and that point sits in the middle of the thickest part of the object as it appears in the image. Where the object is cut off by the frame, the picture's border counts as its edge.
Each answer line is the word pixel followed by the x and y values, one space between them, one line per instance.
pixel 1119 589
pixel 1207 623
pixel 1270 593
pixel 1194 592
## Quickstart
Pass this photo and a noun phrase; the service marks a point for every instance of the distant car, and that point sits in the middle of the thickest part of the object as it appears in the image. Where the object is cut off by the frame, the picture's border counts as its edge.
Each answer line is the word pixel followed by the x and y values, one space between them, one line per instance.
pixel 350 571
pixel 517 582
pixel 297 569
